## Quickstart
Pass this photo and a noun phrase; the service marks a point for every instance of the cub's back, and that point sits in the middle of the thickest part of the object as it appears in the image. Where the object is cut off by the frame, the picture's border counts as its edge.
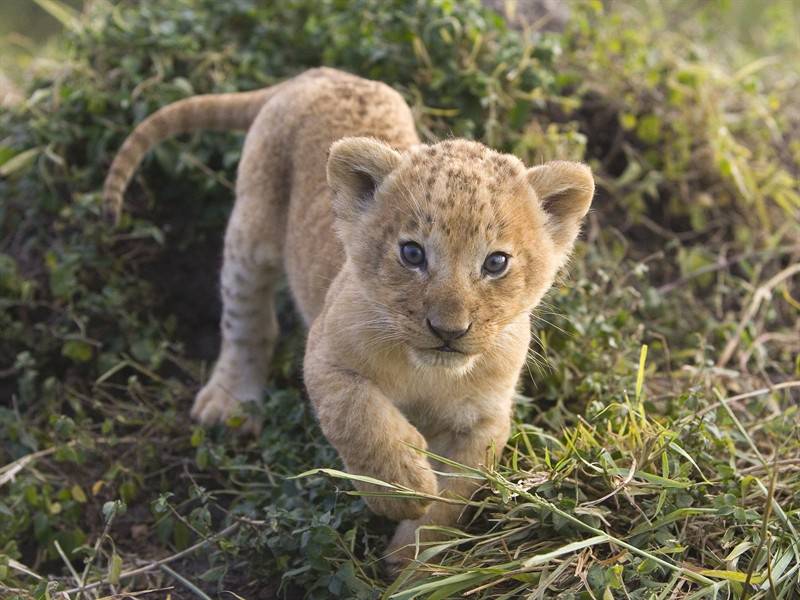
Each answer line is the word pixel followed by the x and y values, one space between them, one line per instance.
pixel 289 143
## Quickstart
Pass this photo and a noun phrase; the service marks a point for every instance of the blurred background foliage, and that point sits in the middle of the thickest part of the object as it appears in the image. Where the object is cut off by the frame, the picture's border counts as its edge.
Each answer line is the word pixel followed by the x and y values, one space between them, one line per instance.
pixel 688 113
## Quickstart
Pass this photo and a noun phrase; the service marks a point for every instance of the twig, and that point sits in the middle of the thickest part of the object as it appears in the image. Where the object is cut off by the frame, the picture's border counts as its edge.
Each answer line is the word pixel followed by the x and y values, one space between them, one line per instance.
pixel 96 549
pixel 786 462
pixel 764 532
pixel 158 563
pixel 9 471
pixel 724 264
pixel 763 292
pixel 186 583
pixel 12 370
pixel 12 590
pixel 753 394
pixel 617 489
pixel 254 522
pixel 542 503
pixel 137 594
pixel 18 566
pixel 67 562
pixel 219 177
pixel 776 507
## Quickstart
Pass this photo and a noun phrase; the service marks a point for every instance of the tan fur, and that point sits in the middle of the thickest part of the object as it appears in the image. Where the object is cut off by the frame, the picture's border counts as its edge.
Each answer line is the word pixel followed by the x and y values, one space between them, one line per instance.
pixel 212 111
pixel 378 386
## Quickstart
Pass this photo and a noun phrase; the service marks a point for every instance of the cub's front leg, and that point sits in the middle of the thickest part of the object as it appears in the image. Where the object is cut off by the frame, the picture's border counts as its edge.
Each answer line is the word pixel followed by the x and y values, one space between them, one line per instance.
pixel 481 445
pixel 372 437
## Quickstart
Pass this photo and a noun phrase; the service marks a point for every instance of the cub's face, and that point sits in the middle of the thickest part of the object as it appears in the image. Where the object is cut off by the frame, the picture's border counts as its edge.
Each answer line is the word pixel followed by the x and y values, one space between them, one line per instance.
pixel 451 243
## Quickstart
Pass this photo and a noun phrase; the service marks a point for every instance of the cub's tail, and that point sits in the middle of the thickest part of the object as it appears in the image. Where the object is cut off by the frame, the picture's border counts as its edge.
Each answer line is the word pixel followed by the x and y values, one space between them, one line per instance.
pixel 225 112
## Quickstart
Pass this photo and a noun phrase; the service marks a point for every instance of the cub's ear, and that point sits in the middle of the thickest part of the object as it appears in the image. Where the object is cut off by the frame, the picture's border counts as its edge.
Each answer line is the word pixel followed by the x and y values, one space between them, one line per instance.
pixel 565 191
pixel 356 168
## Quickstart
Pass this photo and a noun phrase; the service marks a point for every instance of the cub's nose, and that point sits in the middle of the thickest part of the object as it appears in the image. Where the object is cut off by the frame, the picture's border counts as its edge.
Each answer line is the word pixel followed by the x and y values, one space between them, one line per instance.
pixel 444 334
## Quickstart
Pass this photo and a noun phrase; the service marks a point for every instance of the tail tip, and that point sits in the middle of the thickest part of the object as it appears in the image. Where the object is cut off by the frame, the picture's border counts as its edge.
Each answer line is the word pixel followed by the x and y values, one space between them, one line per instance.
pixel 112 207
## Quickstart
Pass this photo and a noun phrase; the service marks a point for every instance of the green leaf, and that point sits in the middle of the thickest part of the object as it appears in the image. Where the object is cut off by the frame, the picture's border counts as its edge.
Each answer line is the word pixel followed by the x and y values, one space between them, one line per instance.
pixel 198 435
pixel 181 535
pixel 640 371
pixel 114 568
pixel 648 129
pixel 447 583
pixel 541 559
pixel 62 12
pixel 77 350
pixel 19 163
pixel 737 576
pixel 78 494
pixel 342 475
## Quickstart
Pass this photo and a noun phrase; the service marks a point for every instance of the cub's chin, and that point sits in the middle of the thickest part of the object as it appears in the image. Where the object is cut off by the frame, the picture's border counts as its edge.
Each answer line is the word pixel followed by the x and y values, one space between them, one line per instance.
pixel 455 362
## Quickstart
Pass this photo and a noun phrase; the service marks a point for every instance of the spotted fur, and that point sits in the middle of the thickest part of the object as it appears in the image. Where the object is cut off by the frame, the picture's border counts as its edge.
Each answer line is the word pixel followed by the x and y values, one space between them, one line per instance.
pixel 211 111
pixel 375 371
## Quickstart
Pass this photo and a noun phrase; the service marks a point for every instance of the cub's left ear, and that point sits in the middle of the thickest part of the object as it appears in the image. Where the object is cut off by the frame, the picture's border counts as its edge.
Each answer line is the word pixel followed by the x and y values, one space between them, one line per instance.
pixel 356 168
pixel 565 191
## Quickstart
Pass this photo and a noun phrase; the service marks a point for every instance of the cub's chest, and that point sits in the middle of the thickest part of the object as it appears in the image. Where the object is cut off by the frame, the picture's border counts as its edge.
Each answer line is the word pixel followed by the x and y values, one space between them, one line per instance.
pixel 433 404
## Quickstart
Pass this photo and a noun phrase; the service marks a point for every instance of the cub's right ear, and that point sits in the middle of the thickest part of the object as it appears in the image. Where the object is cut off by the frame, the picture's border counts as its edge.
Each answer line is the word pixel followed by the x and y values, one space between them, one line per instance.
pixel 356 168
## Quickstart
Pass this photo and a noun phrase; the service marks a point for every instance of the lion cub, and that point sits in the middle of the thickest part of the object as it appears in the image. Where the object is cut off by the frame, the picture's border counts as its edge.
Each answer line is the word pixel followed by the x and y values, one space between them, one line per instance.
pixel 415 267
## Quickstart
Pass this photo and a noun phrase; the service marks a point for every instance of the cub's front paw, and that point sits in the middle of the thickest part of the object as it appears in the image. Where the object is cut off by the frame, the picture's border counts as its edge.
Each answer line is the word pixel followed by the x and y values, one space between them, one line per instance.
pixel 222 399
pixel 402 549
pixel 407 468
pixel 397 509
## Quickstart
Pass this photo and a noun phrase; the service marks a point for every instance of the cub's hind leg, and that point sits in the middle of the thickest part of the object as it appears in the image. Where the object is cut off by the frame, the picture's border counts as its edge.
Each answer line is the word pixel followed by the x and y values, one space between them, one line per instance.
pixel 252 267
pixel 250 273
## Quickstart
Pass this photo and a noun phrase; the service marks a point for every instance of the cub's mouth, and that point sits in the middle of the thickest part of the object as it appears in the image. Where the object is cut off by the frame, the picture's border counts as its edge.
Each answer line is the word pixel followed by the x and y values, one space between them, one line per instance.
pixel 444 356
pixel 447 348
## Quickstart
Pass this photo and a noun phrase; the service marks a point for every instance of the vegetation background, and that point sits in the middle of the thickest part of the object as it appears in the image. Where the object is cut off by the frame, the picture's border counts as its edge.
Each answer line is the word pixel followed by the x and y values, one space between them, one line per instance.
pixel 656 448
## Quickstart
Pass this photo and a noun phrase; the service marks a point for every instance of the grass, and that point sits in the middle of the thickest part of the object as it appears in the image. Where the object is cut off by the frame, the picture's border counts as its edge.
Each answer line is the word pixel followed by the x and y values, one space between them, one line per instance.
pixel 656 444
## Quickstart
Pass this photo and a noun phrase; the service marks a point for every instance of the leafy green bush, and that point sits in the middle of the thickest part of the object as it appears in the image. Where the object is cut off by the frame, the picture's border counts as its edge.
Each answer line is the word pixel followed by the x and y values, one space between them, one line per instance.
pixel 698 140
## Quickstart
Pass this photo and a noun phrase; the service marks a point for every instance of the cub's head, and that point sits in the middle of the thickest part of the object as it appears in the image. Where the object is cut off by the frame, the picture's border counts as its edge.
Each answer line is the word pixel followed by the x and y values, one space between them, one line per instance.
pixel 453 243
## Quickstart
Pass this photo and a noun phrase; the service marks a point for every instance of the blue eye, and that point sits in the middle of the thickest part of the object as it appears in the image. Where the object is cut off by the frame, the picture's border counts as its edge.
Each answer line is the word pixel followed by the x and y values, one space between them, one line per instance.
pixel 496 263
pixel 412 253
